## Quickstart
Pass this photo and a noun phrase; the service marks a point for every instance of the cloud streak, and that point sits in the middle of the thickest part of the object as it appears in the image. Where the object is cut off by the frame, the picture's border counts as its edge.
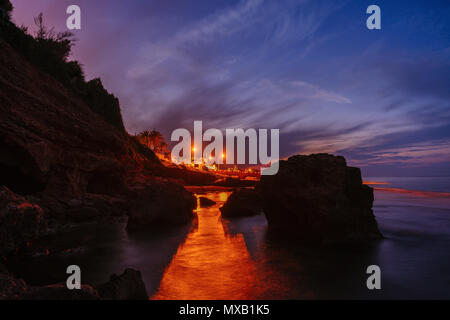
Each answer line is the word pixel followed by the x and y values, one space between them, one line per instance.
pixel 308 68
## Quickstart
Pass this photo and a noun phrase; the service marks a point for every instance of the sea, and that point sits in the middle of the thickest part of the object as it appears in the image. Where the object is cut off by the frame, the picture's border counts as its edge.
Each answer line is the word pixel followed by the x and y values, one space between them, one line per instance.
pixel 217 258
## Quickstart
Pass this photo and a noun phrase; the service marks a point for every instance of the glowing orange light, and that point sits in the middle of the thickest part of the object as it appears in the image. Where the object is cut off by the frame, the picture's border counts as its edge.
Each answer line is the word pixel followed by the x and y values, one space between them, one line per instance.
pixel 195 273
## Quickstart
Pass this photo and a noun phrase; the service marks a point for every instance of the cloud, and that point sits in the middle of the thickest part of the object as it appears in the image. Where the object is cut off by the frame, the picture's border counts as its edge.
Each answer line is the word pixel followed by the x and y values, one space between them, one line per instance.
pixel 321 93
pixel 308 68
pixel 225 22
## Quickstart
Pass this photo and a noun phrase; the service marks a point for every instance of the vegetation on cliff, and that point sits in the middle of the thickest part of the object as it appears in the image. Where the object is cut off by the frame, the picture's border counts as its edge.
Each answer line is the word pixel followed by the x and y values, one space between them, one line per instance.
pixel 50 52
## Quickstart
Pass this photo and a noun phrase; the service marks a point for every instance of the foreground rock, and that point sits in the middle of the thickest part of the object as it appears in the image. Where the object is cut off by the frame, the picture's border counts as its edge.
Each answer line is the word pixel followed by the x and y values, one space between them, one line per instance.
pixel 60 292
pixel 160 203
pixel 318 198
pixel 242 202
pixel 205 202
pixel 127 286
pixel 20 221
pixel 10 287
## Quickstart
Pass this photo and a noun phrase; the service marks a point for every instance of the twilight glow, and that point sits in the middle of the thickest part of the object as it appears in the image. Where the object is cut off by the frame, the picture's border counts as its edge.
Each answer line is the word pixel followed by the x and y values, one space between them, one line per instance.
pixel 310 68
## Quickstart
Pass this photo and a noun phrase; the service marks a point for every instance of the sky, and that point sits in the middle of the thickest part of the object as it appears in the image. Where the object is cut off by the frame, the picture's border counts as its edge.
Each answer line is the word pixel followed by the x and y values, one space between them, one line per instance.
pixel 310 68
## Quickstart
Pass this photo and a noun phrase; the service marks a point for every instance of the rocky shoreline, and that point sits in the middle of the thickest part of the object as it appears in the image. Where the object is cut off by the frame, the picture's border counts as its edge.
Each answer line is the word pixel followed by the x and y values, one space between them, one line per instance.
pixel 127 286
pixel 63 163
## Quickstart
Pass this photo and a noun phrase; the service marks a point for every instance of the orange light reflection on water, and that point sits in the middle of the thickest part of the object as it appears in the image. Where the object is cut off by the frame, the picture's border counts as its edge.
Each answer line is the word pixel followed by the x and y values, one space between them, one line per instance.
pixel 210 264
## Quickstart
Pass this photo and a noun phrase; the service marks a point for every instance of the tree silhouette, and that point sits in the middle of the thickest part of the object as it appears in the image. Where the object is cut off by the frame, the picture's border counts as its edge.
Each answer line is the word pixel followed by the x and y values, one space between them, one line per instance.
pixel 153 140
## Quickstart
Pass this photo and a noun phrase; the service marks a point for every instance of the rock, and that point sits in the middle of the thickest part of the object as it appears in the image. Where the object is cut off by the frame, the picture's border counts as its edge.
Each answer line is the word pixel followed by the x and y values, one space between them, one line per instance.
pixel 205 202
pixel 234 183
pixel 71 160
pixel 242 202
pixel 20 221
pixel 10 287
pixel 93 207
pixel 186 176
pixel 55 148
pixel 160 203
pixel 60 292
pixel 127 286
pixel 319 199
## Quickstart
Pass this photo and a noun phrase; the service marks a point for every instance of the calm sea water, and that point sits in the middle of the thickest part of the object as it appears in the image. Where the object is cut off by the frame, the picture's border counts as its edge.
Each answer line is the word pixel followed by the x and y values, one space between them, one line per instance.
pixel 219 259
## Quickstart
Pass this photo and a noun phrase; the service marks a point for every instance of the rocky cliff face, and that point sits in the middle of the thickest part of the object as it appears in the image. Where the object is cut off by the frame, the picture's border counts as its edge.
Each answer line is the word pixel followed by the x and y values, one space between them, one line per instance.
pixel 51 142
pixel 65 158
pixel 59 154
pixel 319 199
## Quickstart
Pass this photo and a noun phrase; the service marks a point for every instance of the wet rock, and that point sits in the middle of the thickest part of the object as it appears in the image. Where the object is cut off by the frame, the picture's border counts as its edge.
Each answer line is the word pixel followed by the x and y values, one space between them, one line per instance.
pixel 160 203
pixel 127 286
pixel 92 207
pixel 20 221
pixel 10 287
pixel 205 202
pixel 242 202
pixel 186 176
pixel 234 183
pixel 319 199
pixel 60 292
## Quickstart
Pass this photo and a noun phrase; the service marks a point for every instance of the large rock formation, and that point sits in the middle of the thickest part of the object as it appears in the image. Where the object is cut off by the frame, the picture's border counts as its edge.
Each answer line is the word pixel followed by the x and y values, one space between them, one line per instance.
pixel 159 203
pixel 242 202
pixel 318 198
pixel 10 287
pixel 127 286
pixel 20 221
pixel 50 140
pixel 69 160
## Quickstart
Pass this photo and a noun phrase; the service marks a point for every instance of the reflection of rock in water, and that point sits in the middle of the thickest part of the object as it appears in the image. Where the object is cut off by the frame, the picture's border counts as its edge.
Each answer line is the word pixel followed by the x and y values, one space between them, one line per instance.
pixel 210 264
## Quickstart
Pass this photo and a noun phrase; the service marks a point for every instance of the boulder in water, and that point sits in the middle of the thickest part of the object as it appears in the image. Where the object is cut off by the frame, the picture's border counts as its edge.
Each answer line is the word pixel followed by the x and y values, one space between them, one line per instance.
pixel 318 198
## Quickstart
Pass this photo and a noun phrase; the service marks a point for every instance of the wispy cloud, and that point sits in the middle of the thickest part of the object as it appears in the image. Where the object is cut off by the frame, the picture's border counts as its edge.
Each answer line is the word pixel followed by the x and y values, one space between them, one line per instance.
pixel 316 92
pixel 307 67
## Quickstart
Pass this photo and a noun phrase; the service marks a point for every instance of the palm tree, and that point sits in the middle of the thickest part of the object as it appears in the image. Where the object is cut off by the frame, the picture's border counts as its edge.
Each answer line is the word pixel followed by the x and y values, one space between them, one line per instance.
pixel 145 138
pixel 154 140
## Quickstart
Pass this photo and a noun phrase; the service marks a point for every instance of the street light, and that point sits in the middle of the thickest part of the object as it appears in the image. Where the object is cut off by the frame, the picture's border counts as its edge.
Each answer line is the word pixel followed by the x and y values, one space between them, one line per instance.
pixel 223 157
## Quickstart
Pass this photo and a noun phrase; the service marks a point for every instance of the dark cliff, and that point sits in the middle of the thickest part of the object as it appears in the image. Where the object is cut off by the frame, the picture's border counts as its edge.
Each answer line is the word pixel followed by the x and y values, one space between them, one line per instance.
pixel 62 141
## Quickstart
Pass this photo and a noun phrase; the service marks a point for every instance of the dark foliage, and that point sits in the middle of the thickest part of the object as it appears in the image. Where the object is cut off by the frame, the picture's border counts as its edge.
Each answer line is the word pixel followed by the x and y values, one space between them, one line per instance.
pixel 49 51
pixel 102 102
pixel 6 5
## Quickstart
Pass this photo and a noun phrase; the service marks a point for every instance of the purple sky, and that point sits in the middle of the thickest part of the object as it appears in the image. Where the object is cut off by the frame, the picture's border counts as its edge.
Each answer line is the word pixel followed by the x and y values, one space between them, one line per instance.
pixel 310 68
